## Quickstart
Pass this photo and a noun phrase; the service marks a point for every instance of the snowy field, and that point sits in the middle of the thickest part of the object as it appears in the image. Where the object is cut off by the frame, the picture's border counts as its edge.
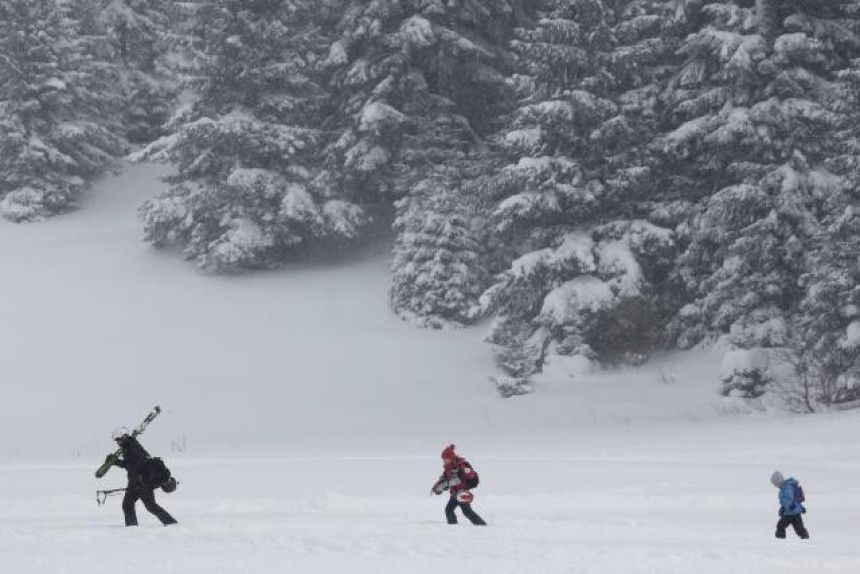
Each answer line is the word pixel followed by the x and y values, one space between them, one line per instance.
pixel 655 499
pixel 304 423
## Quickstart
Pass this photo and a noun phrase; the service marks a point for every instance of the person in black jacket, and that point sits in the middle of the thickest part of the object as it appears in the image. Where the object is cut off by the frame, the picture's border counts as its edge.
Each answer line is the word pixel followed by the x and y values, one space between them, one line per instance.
pixel 135 461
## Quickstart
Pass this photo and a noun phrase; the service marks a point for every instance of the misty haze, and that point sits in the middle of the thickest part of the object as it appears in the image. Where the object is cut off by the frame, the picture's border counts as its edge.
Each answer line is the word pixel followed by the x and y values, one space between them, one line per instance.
pixel 408 286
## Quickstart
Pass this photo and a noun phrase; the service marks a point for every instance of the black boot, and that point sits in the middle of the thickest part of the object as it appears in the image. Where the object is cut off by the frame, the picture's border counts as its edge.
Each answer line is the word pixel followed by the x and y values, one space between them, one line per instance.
pixel 148 499
pixel 799 527
pixel 449 511
pixel 128 510
pixel 472 515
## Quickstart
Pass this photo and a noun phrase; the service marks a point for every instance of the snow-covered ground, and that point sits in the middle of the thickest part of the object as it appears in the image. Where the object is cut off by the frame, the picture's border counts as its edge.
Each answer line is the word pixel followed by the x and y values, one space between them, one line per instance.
pixel 304 422
pixel 685 498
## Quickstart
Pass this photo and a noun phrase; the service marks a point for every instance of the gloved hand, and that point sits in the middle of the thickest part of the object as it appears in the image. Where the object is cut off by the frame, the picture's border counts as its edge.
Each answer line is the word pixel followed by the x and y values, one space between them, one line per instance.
pixel 781 511
pixel 802 509
pixel 439 488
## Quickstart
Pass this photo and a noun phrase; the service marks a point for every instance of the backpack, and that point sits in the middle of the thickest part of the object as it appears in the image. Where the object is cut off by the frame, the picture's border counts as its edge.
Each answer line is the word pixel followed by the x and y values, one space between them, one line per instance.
pixel 157 473
pixel 472 482
pixel 799 496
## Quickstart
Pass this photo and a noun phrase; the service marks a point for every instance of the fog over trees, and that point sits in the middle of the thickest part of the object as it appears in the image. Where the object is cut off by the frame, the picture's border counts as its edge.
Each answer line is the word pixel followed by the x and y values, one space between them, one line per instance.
pixel 597 180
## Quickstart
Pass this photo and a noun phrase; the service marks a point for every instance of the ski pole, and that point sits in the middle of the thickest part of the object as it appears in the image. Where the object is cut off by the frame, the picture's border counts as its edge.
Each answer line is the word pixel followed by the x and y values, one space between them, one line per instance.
pixel 102 495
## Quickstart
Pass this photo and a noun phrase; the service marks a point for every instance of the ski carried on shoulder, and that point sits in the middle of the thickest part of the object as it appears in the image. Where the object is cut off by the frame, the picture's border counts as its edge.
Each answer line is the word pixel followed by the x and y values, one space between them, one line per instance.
pixel 111 459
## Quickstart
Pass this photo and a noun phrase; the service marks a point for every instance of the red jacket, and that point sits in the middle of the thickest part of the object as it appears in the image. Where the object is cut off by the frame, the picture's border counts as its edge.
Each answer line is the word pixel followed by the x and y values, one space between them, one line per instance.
pixel 459 472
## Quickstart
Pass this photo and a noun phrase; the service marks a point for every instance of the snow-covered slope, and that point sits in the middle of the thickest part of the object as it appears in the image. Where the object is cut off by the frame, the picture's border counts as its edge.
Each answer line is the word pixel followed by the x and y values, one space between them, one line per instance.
pixel 98 327
pixel 304 422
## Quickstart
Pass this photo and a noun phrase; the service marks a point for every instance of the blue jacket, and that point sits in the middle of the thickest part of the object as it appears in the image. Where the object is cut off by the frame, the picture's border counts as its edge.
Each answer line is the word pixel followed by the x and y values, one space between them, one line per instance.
pixel 789 506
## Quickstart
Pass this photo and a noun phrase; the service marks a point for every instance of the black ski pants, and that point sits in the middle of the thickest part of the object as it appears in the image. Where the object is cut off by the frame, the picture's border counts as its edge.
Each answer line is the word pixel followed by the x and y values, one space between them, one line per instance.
pixel 467 512
pixel 795 521
pixel 140 491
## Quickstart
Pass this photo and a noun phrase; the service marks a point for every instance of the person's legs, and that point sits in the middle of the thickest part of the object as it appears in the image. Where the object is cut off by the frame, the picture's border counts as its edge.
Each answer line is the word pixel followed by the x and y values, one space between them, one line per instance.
pixel 783 522
pixel 148 498
pixel 128 502
pixel 449 510
pixel 799 528
pixel 472 515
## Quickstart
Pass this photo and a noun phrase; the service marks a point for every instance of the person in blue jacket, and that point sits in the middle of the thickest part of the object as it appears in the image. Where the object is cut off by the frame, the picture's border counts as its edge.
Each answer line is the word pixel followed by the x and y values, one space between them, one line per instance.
pixel 790 505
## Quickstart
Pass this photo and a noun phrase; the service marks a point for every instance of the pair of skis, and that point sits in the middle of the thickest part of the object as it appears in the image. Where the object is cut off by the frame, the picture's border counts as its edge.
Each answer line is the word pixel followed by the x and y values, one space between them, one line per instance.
pixel 113 457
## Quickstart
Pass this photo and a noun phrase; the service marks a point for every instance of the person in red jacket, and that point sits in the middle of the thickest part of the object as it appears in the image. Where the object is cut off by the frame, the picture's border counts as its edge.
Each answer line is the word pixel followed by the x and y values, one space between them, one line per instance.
pixel 457 478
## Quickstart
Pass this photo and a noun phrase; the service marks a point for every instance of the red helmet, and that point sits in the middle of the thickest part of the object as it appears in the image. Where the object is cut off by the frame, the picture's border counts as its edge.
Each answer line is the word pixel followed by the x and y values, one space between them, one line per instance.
pixel 448 453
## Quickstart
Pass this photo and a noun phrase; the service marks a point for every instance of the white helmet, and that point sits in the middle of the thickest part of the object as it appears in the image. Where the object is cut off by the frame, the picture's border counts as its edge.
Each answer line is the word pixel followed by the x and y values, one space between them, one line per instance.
pixel 119 432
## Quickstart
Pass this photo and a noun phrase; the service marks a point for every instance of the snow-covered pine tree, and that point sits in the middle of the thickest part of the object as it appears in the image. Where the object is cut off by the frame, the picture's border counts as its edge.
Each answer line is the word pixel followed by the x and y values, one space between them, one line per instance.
pixel 825 340
pixel 592 295
pixel 400 67
pixel 57 122
pixel 576 156
pixel 755 108
pixel 438 266
pixel 545 190
pixel 137 32
pixel 647 35
pixel 182 40
pixel 564 84
pixel 417 85
pixel 248 190
pixel 825 336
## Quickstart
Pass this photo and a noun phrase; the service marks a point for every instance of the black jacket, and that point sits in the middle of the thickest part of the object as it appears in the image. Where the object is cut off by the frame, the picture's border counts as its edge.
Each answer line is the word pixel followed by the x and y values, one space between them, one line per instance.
pixel 134 459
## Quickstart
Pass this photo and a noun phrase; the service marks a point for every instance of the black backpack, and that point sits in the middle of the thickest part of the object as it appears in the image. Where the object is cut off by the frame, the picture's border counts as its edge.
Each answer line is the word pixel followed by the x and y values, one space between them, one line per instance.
pixel 158 475
pixel 799 495
pixel 472 482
